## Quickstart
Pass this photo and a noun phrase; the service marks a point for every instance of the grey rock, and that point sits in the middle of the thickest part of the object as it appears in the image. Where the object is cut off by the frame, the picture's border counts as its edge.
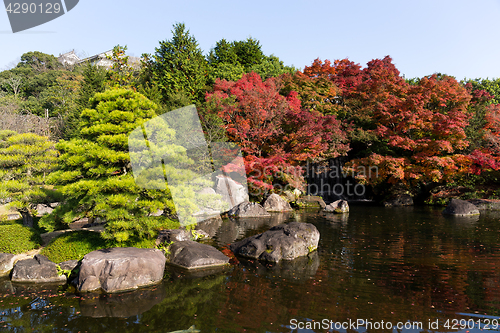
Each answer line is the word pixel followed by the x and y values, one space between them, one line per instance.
pixel 68 265
pixel 275 203
pixel 399 200
pixel 459 207
pixel 192 255
pixel 178 235
pixel 338 207
pixel 37 270
pixel 248 209
pixel 159 212
pixel 283 242
pixel 120 269
pixel 486 204
pixel 173 235
pixel 43 209
pixel 232 192
pixel 312 201
pixel 292 195
pixel 6 263
pixel 14 216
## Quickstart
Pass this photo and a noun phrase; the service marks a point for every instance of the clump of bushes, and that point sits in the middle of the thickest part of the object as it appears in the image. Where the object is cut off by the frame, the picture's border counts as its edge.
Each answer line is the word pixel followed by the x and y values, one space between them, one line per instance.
pixel 76 244
pixel 16 238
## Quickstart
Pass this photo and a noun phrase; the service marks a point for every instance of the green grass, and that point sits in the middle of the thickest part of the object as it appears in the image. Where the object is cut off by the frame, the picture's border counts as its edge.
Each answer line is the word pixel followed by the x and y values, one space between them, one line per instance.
pixel 76 244
pixel 73 245
pixel 16 238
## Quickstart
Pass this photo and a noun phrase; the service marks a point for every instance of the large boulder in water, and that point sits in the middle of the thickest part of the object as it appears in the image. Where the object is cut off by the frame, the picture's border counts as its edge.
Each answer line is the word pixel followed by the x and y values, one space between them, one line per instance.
pixel 231 191
pixel 311 201
pixel 189 254
pixel 37 270
pixel 286 241
pixel 338 207
pixel 275 203
pixel 120 269
pixel 458 207
pixel 248 209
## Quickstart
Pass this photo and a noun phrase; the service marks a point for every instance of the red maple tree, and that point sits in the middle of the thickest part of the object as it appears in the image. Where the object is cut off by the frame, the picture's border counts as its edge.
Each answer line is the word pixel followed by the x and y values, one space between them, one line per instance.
pixel 275 133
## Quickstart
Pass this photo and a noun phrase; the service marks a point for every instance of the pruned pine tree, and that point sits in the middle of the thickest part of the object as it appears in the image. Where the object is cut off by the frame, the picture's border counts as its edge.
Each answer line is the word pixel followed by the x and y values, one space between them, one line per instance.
pixel 96 176
pixel 25 162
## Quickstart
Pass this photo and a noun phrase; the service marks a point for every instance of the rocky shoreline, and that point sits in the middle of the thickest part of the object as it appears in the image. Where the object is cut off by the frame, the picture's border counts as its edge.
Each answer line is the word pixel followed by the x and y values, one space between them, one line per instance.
pixel 122 269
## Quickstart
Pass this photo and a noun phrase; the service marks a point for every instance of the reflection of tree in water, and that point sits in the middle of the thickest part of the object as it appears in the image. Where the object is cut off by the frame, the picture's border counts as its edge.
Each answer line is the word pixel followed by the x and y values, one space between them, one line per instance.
pixel 431 262
pixel 43 307
pixel 186 300
pixel 173 304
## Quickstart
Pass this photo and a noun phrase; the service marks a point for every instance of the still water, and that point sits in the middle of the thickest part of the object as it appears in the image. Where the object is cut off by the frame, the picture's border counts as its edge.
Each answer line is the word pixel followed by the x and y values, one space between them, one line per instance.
pixel 376 267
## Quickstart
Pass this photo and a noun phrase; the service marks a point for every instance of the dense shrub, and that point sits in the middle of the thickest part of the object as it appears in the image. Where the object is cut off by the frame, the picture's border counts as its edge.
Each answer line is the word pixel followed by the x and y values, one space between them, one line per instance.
pixel 74 245
pixel 16 238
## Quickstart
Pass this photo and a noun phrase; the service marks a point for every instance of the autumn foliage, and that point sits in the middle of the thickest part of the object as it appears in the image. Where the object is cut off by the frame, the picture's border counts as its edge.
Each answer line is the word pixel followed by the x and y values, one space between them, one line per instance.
pixel 275 132
pixel 415 132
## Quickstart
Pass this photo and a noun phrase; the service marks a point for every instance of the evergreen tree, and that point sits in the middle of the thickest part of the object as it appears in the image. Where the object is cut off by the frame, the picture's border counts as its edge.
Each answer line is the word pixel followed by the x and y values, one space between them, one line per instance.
pixel 25 162
pixel 95 173
pixel 179 69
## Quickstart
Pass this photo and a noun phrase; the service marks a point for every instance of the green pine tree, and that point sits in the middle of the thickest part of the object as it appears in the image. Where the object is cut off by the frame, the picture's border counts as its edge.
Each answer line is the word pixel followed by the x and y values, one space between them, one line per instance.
pixel 179 69
pixel 25 162
pixel 95 174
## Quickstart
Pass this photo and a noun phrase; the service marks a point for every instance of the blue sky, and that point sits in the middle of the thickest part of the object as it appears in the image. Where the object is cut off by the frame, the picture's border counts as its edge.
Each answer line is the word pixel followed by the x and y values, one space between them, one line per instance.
pixel 459 38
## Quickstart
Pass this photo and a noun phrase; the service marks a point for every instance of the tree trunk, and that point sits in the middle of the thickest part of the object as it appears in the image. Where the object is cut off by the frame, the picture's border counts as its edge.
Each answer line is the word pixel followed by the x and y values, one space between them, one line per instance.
pixel 27 218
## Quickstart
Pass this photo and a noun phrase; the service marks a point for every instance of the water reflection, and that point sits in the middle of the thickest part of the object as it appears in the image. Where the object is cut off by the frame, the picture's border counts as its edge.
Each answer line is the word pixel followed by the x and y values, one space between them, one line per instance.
pixel 392 264
pixel 298 270
pixel 234 229
pixel 122 305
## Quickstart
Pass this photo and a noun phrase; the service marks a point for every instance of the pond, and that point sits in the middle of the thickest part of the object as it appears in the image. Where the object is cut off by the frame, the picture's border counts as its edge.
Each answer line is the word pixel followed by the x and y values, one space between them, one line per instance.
pixel 375 269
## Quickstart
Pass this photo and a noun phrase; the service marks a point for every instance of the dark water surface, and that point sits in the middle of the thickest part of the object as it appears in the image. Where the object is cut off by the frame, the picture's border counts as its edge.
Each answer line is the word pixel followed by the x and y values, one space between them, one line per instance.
pixel 407 265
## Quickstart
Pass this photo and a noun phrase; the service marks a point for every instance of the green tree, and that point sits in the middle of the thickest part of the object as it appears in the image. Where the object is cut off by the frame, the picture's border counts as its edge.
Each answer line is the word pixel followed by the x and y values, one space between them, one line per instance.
pixel 249 53
pixel 94 78
pixel 36 82
pixel 122 73
pixel 272 66
pixel 95 174
pixel 25 162
pixel 223 52
pixel 178 67
pixel 226 71
pixel 230 60
pixel 39 61
pixel 491 86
